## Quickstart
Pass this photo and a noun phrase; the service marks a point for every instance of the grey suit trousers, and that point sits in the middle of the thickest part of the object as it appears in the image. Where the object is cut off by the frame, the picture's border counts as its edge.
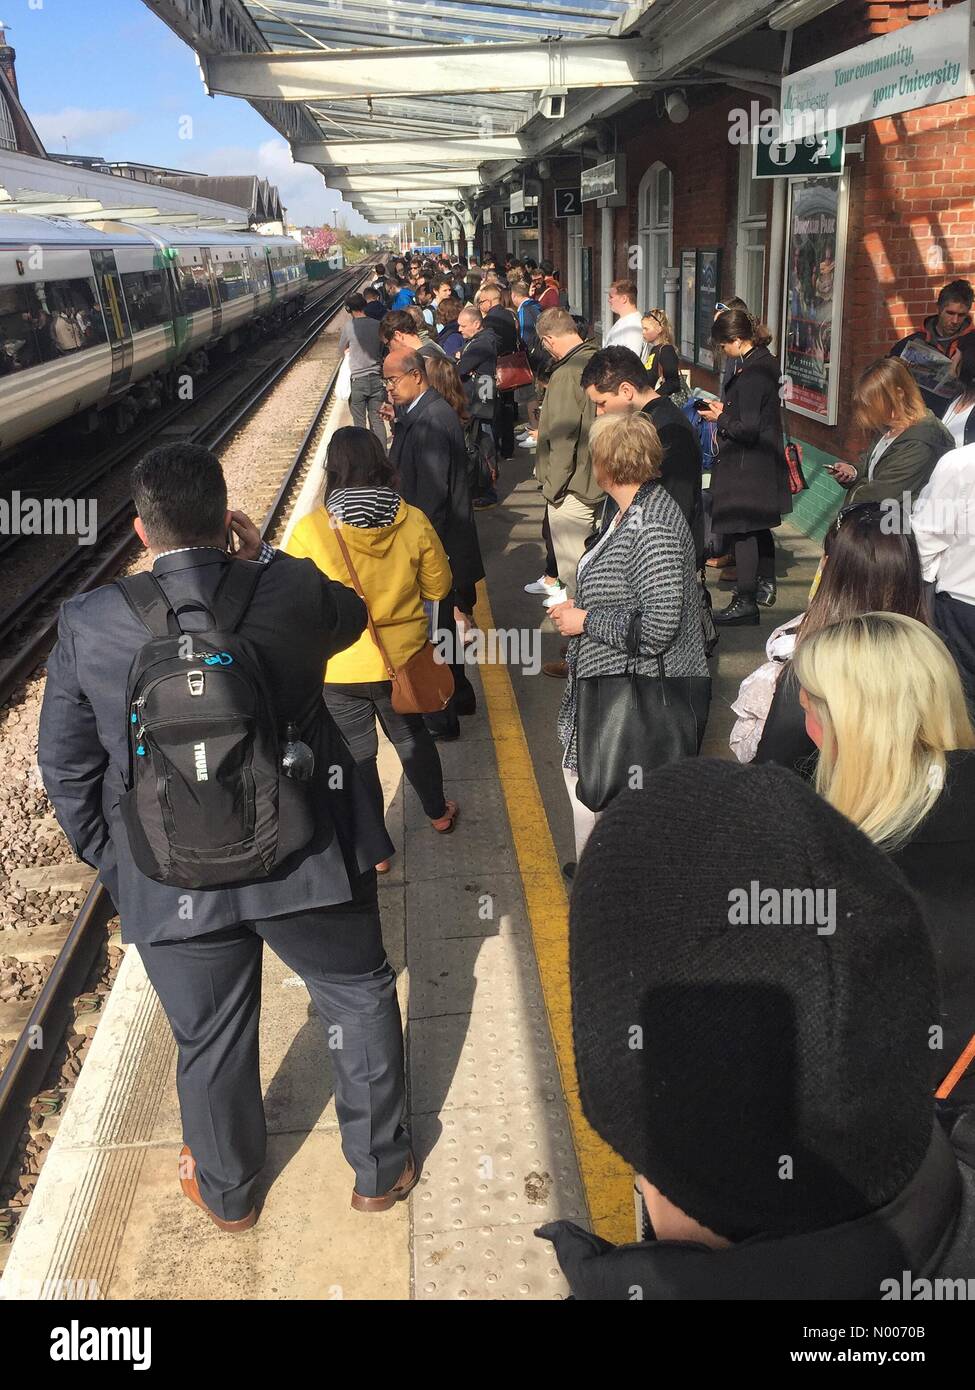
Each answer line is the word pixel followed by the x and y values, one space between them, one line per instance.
pixel 210 989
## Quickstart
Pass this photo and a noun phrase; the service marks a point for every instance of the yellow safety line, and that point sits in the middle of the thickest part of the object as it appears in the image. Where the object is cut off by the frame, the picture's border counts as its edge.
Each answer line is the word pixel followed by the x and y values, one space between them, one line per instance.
pixel 607 1180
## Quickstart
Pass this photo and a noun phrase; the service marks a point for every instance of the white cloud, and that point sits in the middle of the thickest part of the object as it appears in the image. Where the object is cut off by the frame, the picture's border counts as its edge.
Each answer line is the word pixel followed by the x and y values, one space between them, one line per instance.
pixel 301 186
pixel 81 127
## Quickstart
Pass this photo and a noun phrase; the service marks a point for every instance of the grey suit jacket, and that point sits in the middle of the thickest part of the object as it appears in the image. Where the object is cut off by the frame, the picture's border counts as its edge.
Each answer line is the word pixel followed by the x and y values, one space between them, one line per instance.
pixel 296 620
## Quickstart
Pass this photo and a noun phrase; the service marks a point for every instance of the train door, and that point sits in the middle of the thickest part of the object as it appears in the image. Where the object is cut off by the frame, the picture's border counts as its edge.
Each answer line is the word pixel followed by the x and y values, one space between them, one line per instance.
pixel 215 300
pixel 270 272
pixel 116 318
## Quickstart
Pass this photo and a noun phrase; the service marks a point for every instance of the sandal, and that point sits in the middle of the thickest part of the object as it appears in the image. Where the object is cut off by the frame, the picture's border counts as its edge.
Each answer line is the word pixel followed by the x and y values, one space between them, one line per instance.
pixel 445 823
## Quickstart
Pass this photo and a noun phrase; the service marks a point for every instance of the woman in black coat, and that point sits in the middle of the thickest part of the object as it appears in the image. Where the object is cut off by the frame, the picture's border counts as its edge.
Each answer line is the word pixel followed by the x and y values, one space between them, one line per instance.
pixel 750 483
pixel 884 704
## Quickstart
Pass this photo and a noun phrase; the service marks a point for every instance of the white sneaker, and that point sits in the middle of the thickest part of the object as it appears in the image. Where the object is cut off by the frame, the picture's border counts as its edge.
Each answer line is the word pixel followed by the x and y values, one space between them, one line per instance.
pixel 556 596
pixel 540 587
pixel 528 442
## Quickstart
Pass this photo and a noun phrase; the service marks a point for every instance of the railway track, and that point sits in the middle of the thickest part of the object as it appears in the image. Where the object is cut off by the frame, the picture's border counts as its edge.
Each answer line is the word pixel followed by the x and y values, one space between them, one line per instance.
pixel 53 1008
pixel 47 591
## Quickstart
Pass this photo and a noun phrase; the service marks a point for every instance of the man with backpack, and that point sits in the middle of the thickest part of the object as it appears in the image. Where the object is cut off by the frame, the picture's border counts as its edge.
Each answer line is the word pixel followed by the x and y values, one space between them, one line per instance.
pixel 187 752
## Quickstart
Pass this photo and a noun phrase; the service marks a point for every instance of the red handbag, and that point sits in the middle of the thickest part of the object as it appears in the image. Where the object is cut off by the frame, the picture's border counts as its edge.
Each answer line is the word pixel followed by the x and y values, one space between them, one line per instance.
pixel 513 371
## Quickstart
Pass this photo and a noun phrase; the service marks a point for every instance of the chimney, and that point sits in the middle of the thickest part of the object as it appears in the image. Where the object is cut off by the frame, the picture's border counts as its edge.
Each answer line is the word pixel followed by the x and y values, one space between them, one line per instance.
pixel 8 57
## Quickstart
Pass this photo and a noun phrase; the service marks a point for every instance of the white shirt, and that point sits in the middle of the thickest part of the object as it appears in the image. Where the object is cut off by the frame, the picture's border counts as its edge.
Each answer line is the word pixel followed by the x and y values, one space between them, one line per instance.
pixel 955 419
pixel 943 522
pixel 626 332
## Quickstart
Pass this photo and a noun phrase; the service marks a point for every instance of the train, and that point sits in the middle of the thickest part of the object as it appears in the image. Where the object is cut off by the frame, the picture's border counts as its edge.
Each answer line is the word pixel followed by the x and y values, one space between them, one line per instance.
pixel 111 319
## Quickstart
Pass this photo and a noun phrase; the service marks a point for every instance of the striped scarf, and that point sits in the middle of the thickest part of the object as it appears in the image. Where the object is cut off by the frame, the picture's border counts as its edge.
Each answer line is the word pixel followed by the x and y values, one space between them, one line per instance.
pixel 364 506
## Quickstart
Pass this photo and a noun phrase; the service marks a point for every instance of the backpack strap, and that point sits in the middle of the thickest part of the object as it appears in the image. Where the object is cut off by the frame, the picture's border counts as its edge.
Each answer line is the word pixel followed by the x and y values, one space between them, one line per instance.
pixel 234 593
pixel 147 599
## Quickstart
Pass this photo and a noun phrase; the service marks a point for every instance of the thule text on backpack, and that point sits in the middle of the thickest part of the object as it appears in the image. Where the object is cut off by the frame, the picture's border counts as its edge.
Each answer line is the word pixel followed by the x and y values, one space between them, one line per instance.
pixel 200 758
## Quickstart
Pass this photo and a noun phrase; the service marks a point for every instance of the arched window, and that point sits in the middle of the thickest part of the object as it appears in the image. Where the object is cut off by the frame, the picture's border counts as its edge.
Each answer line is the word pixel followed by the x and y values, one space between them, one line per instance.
pixel 8 135
pixel 655 233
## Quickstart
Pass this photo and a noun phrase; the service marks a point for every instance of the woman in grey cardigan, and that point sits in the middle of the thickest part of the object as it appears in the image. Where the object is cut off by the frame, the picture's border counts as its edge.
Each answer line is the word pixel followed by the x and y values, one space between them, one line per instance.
pixel 643 562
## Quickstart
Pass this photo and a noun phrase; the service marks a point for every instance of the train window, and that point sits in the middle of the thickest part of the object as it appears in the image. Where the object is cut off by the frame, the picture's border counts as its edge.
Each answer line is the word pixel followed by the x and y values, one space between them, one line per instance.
pixel 279 266
pixel 147 298
pixel 231 280
pixel 194 284
pixel 50 319
pixel 259 272
pixel 19 347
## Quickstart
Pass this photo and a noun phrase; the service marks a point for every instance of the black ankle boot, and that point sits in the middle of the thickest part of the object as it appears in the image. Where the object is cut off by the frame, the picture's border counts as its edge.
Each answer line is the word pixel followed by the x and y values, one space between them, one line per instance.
pixel 742 611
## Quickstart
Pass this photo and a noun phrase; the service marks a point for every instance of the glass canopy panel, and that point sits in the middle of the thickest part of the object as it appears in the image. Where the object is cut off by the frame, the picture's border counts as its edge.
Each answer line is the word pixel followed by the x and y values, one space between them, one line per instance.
pixel 299 24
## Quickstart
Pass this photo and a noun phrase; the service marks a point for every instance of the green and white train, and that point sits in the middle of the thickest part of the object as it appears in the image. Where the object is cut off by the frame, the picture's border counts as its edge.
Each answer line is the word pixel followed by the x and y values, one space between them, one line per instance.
pixel 109 316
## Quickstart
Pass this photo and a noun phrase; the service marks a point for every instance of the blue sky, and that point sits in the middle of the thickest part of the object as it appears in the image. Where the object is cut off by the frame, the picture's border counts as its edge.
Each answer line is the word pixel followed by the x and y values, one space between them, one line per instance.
pixel 113 80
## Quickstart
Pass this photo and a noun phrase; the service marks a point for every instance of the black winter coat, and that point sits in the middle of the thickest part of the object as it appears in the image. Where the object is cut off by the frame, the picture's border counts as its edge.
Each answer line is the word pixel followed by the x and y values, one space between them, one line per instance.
pixel 928 1230
pixel 429 453
pixel 750 483
pixel 478 359
pixel 939 864
pixel 504 325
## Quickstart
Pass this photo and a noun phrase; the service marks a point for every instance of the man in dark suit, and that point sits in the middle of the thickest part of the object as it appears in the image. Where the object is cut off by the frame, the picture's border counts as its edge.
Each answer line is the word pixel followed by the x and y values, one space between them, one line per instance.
pixel 429 453
pixel 616 382
pixel 318 911
pixel 504 325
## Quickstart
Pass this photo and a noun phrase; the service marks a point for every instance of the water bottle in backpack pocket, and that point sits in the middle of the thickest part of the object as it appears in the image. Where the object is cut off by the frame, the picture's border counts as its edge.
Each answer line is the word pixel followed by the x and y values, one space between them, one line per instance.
pixel 209 802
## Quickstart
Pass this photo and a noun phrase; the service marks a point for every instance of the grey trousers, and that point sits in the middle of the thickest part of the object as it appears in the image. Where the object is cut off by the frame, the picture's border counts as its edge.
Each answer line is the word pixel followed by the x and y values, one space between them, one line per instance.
pixel 368 394
pixel 210 989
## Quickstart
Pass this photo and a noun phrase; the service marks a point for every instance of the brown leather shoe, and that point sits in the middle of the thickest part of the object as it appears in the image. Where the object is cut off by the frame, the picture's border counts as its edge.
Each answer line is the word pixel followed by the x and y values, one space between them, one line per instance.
pixel 559 669
pixel 720 562
pixel 383 867
pixel 408 1179
pixel 187 1163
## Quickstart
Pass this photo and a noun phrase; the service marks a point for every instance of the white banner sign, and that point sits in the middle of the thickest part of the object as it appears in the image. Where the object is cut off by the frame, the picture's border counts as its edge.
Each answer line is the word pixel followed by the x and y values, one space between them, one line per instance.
pixel 517 203
pixel 920 64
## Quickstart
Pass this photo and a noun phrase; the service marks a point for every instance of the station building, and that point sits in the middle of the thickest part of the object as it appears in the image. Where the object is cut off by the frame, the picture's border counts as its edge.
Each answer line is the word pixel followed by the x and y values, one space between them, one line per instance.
pixel 894 226
pixel 616 140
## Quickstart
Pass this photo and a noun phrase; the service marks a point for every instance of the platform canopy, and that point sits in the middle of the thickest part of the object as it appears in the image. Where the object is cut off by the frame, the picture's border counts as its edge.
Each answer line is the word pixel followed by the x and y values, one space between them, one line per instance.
pixel 433 102
pixel 48 188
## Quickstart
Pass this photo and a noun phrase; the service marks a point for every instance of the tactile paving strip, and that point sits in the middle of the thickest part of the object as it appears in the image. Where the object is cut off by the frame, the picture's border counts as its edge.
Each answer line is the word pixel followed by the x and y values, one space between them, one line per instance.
pixel 461 974
pixel 508 1262
pixel 496 1166
pixel 462 1060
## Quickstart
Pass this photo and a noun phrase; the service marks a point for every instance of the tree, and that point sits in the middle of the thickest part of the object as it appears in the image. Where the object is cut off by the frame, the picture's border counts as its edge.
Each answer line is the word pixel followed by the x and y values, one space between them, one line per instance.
pixel 318 241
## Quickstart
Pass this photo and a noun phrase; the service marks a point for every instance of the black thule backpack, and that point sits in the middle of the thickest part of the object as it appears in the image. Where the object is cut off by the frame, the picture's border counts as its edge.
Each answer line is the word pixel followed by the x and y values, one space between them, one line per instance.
pixel 207 803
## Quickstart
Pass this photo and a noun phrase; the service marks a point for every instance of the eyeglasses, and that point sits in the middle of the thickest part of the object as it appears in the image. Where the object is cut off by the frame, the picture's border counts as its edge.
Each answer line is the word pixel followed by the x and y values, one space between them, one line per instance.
pixel 722 308
pixel 389 381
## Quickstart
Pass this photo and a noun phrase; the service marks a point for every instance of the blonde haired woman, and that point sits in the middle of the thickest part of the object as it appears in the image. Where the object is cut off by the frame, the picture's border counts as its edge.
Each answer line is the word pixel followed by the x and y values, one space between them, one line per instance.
pixel 643 562
pixel 907 438
pixel 659 356
pixel 885 706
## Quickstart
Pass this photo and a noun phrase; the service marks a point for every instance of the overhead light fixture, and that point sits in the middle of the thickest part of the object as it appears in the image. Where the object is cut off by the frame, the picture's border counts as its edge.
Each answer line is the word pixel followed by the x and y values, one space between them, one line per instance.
pixel 677 107
pixel 796 12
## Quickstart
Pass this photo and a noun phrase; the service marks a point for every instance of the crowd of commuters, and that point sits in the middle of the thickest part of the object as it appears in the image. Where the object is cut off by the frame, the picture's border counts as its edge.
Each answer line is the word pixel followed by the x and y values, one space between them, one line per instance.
pixel 837 1042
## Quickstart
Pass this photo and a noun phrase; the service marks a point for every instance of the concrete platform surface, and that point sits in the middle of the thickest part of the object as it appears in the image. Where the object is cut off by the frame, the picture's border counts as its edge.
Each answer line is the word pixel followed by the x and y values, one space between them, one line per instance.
pixel 476 924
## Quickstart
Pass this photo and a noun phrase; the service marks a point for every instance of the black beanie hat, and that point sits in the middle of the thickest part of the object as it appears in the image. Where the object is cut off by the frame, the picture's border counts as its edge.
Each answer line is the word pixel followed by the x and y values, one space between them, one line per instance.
pixel 767 1079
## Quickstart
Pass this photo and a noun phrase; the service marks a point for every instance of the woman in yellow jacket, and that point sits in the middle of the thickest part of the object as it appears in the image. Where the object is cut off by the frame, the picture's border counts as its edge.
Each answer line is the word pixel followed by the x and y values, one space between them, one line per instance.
pixel 400 563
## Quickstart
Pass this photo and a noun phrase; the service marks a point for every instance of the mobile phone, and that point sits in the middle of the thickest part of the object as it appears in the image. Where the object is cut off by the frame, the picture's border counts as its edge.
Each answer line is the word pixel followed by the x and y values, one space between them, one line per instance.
pixel 703 405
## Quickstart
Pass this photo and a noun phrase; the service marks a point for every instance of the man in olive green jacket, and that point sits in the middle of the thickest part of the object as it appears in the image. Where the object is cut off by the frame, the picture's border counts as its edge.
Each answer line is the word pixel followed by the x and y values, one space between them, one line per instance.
pixel 562 456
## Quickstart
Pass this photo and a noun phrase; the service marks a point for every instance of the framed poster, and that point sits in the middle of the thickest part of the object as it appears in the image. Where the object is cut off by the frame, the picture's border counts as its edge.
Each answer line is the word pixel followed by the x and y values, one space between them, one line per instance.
pixel 688 295
pixel 708 280
pixel 813 290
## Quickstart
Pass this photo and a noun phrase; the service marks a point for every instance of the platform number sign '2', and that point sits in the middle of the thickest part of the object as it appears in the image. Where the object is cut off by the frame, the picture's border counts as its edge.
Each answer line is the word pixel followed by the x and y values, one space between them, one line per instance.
pixel 568 202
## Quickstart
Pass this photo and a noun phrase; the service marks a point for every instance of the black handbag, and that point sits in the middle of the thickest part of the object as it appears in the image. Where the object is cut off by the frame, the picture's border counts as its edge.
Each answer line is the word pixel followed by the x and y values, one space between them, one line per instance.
pixel 628 725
